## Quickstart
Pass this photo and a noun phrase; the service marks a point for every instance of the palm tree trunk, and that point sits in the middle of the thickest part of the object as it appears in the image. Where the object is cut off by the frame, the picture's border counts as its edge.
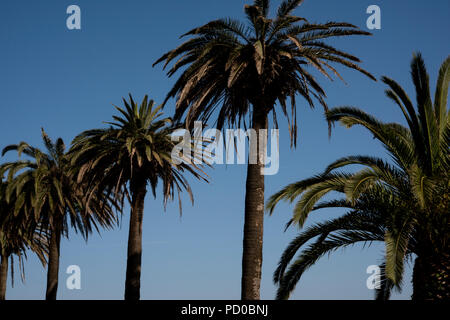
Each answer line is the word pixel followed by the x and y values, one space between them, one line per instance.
pixel 3 276
pixel 253 225
pixel 431 278
pixel 133 276
pixel 53 261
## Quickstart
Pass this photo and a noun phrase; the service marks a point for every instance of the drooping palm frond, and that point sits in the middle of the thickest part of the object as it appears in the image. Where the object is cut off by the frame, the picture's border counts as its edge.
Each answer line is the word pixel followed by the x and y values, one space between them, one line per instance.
pixel 312 253
pixel 383 293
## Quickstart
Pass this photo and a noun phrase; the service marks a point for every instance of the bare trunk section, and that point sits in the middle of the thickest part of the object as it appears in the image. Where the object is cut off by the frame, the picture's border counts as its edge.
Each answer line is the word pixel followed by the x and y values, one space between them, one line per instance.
pixel 431 278
pixel 53 261
pixel 254 220
pixel 133 276
pixel 3 276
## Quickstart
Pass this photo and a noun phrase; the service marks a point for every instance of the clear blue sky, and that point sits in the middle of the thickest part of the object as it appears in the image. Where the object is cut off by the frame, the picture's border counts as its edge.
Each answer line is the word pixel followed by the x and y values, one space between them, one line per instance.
pixel 66 81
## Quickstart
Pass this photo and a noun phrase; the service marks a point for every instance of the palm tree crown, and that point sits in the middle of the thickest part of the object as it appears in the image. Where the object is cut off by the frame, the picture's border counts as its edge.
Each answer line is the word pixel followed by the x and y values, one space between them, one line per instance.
pixel 48 194
pixel 136 147
pixel 230 66
pixel 46 188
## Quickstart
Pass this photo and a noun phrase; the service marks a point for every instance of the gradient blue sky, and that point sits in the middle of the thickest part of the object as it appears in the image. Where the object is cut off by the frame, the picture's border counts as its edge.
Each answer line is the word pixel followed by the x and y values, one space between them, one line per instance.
pixel 66 81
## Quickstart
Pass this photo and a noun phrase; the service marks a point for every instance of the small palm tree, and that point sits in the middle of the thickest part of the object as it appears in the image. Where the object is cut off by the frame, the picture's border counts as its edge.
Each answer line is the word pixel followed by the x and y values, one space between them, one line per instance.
pixel 16 236
pixel 134 152
pixel 233 71
pixel 16 246
pixel 48 192
pixel 405 204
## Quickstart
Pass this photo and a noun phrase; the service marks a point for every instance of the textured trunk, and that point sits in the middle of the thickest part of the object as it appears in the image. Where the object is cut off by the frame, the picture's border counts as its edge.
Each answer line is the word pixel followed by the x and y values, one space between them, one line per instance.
pixel 3 276
pixel 53 261
pixel 431 278
pixel 253 225
pixel 133 276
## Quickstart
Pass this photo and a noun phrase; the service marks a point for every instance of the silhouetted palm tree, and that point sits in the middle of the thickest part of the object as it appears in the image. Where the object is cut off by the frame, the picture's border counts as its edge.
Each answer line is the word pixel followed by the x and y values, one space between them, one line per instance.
pixel 238 72
pixel 405 204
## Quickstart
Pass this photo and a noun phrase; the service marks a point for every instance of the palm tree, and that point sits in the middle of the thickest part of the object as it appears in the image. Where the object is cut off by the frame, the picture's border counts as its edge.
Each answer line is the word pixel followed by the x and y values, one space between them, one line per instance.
pixel 16 236
pixel 405 204
pixel 123 159
pixel 239 72
pixel 16 246
pixel 47 189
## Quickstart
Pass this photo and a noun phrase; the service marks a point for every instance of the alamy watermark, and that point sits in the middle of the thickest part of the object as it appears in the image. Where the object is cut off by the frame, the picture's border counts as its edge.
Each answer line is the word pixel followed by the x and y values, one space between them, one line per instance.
pixel 374 20
pixel 73 282
pixel 374 280
pixel 211 147
pixel 74 20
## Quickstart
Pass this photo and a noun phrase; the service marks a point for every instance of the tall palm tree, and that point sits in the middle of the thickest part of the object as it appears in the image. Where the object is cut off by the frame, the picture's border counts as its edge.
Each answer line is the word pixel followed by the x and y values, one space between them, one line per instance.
pixel 239 72
pixel 47 190
pixel 405 204
pixel 134 152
